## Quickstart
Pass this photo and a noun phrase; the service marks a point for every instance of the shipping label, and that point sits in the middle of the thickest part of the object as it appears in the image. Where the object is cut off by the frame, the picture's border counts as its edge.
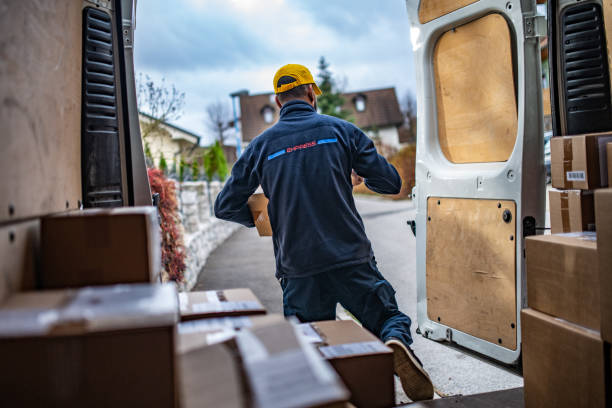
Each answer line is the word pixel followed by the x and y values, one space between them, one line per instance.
pixel 216 307
pixel 575 176
pixel 349 349
pixel 220 323
pixel 309 333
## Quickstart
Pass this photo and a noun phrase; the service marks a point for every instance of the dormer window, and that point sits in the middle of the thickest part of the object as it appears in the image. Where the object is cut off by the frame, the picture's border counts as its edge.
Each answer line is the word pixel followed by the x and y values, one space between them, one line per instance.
pixel 268 114
pixel 360 103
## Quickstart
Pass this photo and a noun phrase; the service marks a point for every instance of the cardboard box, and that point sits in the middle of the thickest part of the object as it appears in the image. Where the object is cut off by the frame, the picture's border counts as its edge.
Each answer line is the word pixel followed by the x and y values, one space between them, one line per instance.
pixel 204 332
pixel 258 204
pixel 210 377
pixel 575 161
pixel 603 216
pixel 100 247
pixel 283 370
pixel 571 211
pixel 219 303
pixel 363 362
pixel 609 161
pixel 95 347
pixel 563 364
pixel 277 368
pixel 563 276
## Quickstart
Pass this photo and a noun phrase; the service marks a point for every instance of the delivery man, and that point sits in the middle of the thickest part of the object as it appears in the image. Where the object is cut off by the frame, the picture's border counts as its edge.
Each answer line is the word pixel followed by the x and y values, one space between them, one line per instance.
pixel 306 164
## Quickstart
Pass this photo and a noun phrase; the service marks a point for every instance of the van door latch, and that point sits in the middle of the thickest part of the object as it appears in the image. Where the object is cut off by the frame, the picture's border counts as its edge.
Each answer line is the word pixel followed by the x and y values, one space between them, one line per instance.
pixel 534 26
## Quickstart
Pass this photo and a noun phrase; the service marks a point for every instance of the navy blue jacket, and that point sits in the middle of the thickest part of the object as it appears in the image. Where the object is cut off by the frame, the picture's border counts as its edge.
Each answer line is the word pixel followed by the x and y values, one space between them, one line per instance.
pixel 303 164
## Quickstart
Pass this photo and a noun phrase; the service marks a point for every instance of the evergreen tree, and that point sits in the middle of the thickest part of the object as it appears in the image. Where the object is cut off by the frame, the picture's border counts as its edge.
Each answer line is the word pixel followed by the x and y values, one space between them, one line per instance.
pixel 215 162
pixel 330 102
pixel 195 170
pixel 163 166
pixel 182 166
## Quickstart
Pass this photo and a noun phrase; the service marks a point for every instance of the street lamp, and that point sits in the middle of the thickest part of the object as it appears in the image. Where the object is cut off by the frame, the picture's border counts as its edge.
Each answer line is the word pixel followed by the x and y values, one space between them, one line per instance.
pixel 235 95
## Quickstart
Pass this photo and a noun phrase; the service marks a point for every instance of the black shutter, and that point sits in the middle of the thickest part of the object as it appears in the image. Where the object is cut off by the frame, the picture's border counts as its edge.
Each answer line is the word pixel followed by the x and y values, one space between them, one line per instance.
pixel 584 70
pixel 100 149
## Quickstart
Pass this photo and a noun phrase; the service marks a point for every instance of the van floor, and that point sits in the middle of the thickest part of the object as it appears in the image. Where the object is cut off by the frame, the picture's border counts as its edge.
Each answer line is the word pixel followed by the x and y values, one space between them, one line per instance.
pixel 513 398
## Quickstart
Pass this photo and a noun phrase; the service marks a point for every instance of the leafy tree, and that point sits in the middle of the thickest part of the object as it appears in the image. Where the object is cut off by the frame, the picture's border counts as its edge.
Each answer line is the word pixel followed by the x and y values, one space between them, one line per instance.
pixel 330 102
pixel 215 162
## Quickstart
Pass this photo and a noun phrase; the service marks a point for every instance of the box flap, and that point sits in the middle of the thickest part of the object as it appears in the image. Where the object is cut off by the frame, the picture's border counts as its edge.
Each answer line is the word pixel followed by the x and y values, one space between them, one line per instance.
pixel 276 352
pixel 91 309
pixel 585 239
pixel 219 302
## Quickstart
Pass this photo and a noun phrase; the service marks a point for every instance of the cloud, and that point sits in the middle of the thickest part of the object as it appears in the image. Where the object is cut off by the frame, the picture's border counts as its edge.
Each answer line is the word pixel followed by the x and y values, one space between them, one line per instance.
pixel 211 48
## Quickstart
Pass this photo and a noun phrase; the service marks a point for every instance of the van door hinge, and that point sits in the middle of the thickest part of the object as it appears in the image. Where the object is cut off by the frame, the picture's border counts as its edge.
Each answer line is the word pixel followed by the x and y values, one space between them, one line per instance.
pixel 535 26
pixel 128 34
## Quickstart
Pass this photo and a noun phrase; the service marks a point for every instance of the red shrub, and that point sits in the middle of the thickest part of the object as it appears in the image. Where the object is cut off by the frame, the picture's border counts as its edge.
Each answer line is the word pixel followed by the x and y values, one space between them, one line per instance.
pixel 173 251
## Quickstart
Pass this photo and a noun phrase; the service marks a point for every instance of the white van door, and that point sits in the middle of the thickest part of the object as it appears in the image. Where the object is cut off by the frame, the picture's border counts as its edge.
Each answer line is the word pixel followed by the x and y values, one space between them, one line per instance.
pixel 480 176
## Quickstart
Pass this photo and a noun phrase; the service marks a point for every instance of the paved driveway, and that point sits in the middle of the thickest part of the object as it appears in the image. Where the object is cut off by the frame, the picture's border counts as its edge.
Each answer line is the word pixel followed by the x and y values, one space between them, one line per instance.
pixel 247 260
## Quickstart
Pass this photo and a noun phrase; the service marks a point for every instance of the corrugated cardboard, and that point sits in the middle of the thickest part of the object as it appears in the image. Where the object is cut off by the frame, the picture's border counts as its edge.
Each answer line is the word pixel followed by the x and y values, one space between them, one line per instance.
pixel 94 347
pixel 363 362
pixel 609 155
pixel 283 370
pixel 603 216
pixel 563 364
pixel 210 377
pixel 219 303
pixel 258 204
pixel 575 161
pixel 563 277
pixel 100 247
pixel 198 333
pixel 571 211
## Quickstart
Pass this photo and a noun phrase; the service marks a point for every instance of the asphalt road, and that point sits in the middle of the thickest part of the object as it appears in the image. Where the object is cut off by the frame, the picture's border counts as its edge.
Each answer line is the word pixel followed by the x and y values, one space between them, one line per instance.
pixel 247 260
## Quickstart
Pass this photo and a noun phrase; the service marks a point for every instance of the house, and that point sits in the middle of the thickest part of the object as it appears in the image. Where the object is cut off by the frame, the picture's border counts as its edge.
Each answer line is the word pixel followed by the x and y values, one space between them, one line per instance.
pixel 376 112
pixel 175 142
pixel 166 139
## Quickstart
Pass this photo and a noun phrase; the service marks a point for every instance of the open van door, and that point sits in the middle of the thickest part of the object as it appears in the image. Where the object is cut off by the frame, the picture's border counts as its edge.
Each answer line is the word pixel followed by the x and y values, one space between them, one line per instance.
pixel 480 175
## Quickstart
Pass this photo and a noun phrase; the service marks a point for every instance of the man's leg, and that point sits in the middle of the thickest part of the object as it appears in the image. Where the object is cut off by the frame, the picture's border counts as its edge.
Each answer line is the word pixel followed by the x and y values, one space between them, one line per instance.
pixel 308 298
pixel 364 292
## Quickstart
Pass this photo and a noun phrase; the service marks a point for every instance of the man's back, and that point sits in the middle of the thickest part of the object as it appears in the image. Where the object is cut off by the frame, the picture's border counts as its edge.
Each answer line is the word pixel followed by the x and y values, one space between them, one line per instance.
pixel 304 165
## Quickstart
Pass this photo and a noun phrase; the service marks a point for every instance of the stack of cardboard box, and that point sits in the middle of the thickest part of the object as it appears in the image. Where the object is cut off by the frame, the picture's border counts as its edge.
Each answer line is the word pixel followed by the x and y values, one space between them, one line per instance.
pixel 102 331
pixel 98 346
pixel 566 357
pixel 579 165
pixel 362 362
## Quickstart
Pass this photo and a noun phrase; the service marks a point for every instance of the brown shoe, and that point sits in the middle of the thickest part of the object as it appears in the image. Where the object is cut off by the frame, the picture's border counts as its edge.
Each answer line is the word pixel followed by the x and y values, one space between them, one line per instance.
pixel 416 383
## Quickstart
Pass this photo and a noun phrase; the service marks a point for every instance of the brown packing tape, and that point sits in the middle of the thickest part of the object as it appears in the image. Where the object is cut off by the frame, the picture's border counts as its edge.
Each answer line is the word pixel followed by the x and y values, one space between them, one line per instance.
pixel 568 156
pixel 565 218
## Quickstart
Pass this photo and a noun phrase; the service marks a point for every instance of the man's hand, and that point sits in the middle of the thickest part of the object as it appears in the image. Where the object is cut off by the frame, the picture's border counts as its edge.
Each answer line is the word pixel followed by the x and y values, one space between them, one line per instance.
pixel 356 179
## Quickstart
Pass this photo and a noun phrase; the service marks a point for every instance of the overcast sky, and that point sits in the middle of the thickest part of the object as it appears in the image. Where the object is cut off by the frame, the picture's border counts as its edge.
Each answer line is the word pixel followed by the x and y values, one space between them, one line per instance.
pixel 211 48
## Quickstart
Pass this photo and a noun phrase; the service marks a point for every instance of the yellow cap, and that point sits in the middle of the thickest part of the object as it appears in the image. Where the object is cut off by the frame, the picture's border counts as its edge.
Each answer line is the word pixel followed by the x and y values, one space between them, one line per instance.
pixel 300 73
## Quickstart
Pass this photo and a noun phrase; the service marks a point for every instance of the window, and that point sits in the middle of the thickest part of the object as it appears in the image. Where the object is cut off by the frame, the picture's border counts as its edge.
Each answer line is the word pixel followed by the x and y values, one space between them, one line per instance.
pixel 360 103
pixel 268 114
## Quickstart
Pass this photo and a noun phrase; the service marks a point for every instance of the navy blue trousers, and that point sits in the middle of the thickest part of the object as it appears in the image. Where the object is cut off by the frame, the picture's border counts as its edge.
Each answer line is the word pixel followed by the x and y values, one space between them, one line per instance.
pixel 360 289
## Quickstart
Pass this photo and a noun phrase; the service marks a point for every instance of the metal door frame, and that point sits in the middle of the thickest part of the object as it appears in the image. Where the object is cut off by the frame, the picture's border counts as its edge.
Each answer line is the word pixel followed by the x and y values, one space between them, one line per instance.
pixel 521 178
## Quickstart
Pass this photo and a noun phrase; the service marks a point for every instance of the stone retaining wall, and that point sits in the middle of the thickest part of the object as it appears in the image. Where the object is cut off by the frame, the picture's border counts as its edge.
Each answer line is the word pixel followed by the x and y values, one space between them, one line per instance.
pixel 203 232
